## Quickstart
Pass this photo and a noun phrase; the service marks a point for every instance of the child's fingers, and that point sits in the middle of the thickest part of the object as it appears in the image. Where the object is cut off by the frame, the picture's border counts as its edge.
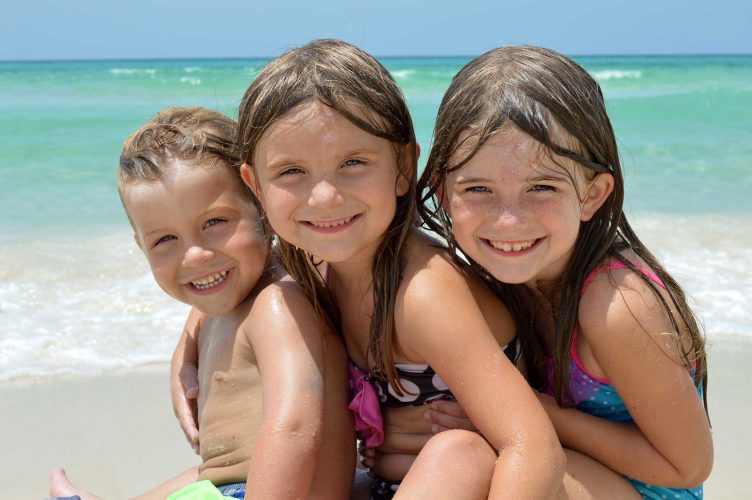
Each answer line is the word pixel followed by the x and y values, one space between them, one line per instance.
pixel 452 408
pixel 185 413
pixel 444 421
pixel 189 380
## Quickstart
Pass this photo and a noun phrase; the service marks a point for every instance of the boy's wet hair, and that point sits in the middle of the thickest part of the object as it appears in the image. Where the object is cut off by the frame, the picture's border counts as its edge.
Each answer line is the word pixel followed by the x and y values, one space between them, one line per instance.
pixel 353 83
pixel 559 104
pixel 197 136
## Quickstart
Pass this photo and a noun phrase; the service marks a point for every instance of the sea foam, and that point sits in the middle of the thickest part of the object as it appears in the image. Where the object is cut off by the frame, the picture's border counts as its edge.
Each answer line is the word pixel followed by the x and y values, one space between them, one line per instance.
pixel 89 304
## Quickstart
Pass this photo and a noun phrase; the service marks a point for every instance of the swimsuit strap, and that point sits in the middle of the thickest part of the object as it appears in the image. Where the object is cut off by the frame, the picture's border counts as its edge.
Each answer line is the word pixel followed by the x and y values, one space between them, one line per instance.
pixel 620 265
pixel 588 279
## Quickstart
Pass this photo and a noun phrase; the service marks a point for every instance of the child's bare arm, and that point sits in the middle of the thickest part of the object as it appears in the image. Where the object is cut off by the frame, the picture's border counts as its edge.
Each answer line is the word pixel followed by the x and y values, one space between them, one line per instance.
pixel 445 326
pixel 184 378
pixel 623 326
pixel 289 345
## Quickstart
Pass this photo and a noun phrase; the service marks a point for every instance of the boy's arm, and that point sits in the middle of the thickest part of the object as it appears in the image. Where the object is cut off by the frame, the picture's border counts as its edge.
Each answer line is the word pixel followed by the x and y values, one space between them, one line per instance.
pixel 288 342
pixel 184 378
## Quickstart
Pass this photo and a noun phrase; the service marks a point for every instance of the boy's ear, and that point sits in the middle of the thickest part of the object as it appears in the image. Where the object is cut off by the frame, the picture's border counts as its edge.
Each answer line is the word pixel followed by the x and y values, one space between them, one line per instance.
pixel 249 177
pixel 600 189
pixel 406 173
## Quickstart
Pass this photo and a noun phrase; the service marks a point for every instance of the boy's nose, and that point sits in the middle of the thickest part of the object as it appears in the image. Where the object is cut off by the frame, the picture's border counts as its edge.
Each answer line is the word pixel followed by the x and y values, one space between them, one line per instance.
pixel 197 255
pixel 324 193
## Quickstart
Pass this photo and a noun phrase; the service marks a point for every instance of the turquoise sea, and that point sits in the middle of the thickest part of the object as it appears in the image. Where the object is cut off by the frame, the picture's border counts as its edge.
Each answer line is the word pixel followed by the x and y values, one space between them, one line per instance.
pixel 76 296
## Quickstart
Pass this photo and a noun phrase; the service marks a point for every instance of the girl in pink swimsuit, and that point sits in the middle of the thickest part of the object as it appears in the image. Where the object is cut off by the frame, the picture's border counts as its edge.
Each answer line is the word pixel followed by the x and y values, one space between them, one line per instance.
pixel 330 153
pixel 525 178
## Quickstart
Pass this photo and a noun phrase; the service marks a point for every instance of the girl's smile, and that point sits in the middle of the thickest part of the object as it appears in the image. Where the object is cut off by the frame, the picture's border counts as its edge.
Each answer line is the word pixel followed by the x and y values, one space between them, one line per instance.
pixel 515 210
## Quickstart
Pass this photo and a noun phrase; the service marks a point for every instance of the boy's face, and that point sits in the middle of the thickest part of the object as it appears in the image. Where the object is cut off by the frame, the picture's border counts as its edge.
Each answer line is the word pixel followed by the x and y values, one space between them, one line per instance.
pixel 200 235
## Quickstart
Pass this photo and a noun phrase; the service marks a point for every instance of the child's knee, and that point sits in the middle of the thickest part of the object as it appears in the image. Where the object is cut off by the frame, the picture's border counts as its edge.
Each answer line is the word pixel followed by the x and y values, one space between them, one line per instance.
pixel 456 443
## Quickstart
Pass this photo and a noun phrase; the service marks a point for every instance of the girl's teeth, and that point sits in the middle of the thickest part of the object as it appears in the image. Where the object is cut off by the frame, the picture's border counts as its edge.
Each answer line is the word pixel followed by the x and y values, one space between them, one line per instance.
pixel 512 247
pixel 333 223
pixel 211 281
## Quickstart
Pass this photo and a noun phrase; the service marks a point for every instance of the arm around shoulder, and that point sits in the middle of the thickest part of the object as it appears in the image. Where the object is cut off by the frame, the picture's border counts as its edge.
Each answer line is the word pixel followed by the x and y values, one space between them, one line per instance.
pixel 441 323
pixel 289 346
pixel 184 378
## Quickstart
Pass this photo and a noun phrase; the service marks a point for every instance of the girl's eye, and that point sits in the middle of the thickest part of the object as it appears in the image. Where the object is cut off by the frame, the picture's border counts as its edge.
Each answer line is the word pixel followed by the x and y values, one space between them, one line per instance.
pixel 352 162
pixel 164 239
pixel 541 188
pixel 291 171
pixel 213 222
pixel 477 189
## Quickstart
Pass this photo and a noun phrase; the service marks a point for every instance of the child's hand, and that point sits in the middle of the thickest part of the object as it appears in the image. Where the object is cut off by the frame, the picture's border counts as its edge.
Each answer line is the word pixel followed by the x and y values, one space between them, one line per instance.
pixel 446 415
pixel 368 457
pixel 184 393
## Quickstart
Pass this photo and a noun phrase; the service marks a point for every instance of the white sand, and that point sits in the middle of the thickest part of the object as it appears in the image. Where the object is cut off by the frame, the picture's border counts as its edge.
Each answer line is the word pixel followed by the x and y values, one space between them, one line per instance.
pixel 115 434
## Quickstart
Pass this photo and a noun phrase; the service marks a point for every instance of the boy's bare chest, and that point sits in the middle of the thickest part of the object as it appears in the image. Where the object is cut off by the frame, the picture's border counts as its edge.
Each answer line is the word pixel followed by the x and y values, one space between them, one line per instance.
pixel 226 361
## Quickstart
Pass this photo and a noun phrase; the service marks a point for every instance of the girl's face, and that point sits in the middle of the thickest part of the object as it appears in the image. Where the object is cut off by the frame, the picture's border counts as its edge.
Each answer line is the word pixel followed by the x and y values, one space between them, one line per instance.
pixel 327 186
pixel 517 212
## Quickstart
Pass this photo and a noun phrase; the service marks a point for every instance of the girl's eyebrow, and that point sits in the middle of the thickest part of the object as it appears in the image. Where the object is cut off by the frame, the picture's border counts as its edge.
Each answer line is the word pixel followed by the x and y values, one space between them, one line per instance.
pixel 282 161
pixel 542 177
pixel 471 180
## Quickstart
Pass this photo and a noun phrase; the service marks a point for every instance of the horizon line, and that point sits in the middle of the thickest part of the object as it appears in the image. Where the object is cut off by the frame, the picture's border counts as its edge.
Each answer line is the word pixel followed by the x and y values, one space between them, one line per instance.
pixel 389 56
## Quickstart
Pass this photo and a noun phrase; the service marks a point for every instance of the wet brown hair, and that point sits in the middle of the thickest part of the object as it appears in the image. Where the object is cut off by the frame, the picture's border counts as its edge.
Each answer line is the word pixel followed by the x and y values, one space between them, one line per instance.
pixel 556 102
pixel 353 83
pixel 199 136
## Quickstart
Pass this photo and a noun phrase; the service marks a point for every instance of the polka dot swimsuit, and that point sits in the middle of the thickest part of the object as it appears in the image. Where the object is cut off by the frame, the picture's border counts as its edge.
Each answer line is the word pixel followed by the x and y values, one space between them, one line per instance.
pixel 421 384
pixel 597 397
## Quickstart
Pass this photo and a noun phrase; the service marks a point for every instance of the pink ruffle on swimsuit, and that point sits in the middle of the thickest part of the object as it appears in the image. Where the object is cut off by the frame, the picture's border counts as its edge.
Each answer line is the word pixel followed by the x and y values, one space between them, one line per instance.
pixel 365 408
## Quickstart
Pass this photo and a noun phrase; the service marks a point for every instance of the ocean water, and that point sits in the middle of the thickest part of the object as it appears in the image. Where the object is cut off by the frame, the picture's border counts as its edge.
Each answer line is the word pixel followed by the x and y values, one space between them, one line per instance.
pixel 76 295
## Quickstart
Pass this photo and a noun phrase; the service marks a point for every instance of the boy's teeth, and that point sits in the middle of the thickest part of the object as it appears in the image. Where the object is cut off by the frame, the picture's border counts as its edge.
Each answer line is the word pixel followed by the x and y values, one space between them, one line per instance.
pixel 511 247
pixel 211 281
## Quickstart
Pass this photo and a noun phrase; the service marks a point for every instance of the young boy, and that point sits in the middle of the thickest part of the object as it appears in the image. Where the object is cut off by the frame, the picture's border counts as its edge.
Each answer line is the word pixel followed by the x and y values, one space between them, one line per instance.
pixel 264 358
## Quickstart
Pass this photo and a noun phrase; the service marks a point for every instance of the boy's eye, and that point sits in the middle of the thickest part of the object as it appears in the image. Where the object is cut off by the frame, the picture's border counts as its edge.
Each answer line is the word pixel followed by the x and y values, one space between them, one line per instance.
pixel 214 221
pixel 164 239
pixel 540 188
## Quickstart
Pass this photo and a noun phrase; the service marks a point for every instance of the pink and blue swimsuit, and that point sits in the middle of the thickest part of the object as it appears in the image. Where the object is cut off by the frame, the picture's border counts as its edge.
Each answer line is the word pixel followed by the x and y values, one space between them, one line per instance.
pixel 597 397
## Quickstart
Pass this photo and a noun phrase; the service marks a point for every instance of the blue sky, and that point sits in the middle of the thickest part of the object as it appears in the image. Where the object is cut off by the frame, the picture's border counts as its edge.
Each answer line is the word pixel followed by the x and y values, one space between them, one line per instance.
pixel 136 29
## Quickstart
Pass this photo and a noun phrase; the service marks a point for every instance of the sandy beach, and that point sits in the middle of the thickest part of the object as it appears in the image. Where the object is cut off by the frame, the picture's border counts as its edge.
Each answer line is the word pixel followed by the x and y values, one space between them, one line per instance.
pixel 115 433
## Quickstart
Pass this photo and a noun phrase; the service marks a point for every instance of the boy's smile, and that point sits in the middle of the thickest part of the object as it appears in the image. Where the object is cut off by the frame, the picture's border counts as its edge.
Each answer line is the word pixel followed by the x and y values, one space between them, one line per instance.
pixel 200 235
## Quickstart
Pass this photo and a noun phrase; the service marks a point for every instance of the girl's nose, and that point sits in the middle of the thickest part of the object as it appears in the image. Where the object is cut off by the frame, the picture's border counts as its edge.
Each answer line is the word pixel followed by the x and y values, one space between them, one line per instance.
pixel 197 255
pixel 509 214
pixel 324 194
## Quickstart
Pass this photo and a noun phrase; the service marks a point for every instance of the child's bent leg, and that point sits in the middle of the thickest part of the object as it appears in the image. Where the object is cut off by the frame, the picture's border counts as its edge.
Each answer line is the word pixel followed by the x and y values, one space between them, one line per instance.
pixel 170 486
pixel 587 479
pixel 454 464
pixel 60 486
